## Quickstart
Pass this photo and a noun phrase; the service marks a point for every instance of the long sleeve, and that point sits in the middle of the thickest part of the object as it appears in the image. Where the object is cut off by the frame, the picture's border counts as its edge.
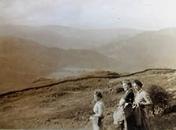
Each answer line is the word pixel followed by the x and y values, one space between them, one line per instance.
pixel 121 102
pixel 143 99
pixel 127 98
pixel 147 99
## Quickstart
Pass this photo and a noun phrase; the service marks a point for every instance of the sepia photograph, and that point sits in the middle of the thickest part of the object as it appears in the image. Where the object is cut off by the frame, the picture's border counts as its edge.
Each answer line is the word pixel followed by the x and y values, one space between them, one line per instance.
pixel 88 64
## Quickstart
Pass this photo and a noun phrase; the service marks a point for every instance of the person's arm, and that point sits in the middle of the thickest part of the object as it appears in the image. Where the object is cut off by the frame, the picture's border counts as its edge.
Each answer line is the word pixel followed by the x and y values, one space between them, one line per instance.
pixel 147 100
pixel 128 98
pixel 121 102
pixel 123 99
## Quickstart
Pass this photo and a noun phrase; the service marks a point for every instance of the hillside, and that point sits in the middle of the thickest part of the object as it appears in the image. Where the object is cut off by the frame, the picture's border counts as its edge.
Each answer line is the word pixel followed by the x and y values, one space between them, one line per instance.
pixel 67 103
pixel 145 50
pixel 23 61
pixel 67 37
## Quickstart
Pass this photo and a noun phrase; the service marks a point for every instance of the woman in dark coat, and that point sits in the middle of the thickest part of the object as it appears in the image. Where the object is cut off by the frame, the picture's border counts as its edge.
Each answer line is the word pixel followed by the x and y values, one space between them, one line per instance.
pixel 126 103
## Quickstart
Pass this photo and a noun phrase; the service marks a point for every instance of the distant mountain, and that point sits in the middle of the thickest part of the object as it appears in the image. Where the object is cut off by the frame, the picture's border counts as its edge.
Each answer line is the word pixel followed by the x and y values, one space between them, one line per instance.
pixel 22 61
pixel 67 37
pixel 145 50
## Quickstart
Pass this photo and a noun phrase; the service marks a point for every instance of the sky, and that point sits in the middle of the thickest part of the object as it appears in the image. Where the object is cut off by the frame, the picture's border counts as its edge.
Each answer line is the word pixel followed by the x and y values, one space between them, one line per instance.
pixel 140 14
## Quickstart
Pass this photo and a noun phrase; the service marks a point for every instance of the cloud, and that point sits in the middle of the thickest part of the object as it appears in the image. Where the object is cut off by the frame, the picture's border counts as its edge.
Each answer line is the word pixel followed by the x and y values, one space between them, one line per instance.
pixel 90 13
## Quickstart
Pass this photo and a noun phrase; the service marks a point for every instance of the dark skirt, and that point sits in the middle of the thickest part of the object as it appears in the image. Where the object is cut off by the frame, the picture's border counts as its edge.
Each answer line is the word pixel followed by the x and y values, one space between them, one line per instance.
pixel 130 121
pixel 142 120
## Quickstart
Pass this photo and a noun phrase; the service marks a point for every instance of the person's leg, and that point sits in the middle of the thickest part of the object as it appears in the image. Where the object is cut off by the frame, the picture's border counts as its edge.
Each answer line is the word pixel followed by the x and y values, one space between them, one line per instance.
pixel 95 124
pixel 122 125
pixel 96 127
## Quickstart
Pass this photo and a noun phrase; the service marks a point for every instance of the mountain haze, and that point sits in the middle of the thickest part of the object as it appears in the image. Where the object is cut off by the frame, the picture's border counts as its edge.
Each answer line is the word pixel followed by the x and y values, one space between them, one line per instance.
pixel 145 50
pixel 67 37
pixel 122 50
pixel 23 61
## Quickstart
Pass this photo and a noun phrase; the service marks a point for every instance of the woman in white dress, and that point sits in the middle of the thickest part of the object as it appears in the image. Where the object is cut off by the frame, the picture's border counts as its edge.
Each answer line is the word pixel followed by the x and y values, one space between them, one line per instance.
pixel 142 99
pixel 98 110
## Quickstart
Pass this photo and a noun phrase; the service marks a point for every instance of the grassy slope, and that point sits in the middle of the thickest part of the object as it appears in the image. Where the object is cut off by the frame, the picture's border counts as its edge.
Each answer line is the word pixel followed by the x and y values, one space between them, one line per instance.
pixel 68 104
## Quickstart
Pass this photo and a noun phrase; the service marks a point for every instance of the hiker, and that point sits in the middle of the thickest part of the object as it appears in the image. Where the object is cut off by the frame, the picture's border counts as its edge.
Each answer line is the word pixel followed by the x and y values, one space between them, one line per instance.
pixel 124 116
pixel 142 100
pixel 98 110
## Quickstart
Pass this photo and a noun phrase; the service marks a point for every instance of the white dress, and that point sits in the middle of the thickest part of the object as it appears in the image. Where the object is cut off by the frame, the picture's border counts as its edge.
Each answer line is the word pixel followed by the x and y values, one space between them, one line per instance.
pixel 97 117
